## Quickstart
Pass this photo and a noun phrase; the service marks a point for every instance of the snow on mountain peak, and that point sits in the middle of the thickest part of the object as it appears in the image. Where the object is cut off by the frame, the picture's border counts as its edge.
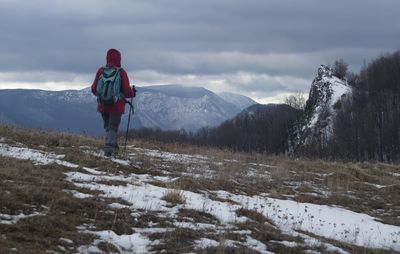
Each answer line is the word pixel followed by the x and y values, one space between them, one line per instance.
pixel 237 99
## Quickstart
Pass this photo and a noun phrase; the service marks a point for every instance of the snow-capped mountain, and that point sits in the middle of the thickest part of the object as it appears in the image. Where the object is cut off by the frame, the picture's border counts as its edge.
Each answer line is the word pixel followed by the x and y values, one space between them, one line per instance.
pixel 326 95
pixel 69 110
pixel 168 107
pixel 178 107
pixel 237 99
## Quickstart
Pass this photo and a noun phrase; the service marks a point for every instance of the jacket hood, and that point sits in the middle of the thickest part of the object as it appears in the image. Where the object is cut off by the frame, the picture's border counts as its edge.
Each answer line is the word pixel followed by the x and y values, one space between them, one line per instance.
pixel 113 58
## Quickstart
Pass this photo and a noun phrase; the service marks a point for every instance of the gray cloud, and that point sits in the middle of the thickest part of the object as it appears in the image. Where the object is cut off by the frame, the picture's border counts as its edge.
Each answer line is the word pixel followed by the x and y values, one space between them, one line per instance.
pixel 176 37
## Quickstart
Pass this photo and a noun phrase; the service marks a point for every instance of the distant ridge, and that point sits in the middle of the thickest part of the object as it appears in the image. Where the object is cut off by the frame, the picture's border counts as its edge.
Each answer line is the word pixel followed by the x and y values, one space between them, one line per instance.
pixel 167 107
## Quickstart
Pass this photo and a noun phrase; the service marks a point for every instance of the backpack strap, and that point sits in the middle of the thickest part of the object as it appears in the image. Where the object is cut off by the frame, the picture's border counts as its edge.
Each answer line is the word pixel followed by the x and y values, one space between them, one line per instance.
pixel 117 69
pixel 116 74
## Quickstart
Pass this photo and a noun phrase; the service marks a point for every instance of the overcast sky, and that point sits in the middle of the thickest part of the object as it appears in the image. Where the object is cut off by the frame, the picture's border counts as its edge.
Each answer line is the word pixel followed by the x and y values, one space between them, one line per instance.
pixel 261 48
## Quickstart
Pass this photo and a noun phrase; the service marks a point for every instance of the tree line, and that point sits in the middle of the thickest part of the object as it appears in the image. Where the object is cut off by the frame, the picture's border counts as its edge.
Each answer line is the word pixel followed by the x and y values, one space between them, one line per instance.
pixel 368 126
pixel 260 128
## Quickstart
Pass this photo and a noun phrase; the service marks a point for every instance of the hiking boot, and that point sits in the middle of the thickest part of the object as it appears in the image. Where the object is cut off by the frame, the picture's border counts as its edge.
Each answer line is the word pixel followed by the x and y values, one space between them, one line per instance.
pixel 110 150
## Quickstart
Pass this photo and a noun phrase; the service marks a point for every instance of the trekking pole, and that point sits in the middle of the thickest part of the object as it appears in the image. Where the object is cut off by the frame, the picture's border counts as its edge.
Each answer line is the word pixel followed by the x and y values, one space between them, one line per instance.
pixel 131 111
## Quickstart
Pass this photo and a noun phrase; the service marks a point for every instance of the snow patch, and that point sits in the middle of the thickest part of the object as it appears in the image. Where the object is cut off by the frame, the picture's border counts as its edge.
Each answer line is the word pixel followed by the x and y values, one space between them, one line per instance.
pixel 257 245
pixel 204 243
pixel 78 194
pixel 9 219
pixel 93 171
pixel 37 156
pixel 118 206
pixel 286 243
pixel 121 162
pixel 66 240
pixel 330 222
pixel 135 243
pixel 378 186
pixel 173 157
pixel 195 226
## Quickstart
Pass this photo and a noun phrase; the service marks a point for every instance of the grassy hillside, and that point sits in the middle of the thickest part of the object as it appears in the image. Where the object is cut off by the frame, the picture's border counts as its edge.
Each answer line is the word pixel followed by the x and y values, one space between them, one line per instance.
pixel 59 194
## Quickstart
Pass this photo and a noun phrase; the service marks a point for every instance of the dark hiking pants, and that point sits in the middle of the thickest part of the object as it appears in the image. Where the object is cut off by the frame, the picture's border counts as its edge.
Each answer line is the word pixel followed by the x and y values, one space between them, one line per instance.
pixel 111 124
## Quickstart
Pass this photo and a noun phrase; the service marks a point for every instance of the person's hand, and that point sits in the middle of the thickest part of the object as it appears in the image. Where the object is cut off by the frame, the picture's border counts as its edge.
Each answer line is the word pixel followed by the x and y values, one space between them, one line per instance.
pixel 134 90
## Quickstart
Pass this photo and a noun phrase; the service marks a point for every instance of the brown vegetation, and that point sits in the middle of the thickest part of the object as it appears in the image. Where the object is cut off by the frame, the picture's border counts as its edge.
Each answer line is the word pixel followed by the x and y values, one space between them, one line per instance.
pixel 28 188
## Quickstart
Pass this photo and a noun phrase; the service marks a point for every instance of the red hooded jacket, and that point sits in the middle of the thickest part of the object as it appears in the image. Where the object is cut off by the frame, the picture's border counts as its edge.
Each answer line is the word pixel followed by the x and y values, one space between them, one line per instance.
pixel 114 59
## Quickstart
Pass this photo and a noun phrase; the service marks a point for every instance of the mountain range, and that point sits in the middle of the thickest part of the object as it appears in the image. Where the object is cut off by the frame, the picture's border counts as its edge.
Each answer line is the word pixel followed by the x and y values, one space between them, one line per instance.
pixel 167 107
pixel 228 116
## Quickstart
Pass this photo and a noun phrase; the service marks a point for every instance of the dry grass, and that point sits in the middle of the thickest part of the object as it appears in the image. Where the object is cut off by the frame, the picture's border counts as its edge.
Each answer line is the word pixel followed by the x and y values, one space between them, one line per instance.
pixel 252 214
pixel 348 247
pixel 30 189
pixel 197 216
pixel 49 139
pixel 174 197
pixel 27 188
pixel 267 233
pixel 107 247
pixel 179 240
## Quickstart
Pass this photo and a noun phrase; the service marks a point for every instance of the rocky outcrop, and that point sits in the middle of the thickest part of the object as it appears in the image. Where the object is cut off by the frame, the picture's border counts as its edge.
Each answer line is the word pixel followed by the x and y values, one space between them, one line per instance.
pixel 327 94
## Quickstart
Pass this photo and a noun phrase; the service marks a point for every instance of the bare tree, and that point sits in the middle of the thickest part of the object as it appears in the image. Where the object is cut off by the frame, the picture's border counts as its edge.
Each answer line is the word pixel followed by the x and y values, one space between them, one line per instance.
pixel 340 68
pixel 297 101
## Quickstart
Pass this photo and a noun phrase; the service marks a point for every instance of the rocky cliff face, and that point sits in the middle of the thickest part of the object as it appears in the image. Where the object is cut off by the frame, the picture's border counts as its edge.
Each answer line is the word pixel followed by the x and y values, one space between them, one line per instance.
pixel 327 94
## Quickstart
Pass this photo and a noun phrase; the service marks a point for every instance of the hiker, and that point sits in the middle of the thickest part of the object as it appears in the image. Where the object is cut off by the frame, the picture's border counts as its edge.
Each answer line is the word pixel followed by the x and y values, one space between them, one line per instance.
pixel 111 86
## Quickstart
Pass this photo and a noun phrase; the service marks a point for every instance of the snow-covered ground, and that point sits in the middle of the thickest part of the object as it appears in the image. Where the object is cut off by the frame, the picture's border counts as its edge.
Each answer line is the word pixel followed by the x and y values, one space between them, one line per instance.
pixel 141 195
pixel 37 156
